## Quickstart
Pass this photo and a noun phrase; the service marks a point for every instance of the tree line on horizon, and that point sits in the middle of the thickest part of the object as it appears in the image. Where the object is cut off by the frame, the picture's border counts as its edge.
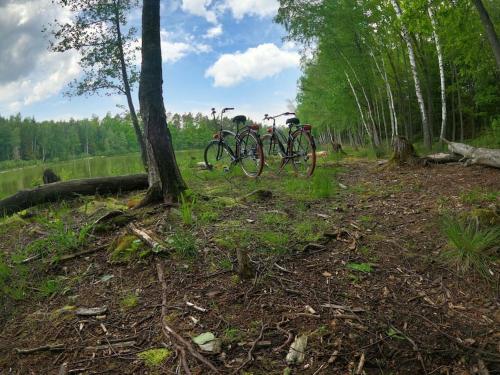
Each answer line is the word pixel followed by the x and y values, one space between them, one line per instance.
pixel 28 139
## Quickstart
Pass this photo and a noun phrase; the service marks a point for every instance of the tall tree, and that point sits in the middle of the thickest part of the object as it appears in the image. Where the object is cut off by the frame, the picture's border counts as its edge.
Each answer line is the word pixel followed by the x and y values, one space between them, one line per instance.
pixel 165 180
pixel 442 79
pixel 490 29
pixel 418 89
pixel 107 52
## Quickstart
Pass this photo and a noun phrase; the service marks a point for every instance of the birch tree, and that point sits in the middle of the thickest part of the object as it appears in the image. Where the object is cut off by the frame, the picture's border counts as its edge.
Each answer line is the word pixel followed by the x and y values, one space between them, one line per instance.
pixel 442 79
pixel 416 79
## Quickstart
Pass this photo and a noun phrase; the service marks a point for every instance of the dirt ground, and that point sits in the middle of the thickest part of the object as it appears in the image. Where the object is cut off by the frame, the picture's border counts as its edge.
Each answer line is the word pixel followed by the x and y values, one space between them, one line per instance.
pixel 407 314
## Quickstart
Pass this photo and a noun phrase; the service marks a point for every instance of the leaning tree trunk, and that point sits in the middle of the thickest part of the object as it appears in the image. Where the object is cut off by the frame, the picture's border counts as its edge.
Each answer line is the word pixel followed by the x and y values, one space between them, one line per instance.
pixel 128 93
pixel 441 72
pixel 416 79
pixel 490 30
pixel 165 180
pixel 360 109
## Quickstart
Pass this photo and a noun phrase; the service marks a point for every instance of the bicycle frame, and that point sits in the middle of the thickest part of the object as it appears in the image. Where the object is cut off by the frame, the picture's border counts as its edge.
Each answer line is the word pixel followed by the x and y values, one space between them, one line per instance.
pixel 234 154
pixel 287 153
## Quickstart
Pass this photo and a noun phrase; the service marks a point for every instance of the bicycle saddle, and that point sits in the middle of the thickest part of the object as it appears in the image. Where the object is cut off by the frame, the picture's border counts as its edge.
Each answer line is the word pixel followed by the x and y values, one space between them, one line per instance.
pixel 293 121
pixel 240 118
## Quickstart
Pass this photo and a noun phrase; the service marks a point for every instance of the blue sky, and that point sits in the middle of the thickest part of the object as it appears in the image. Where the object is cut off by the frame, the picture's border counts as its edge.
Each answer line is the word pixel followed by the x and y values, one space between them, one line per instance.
pixel 216 53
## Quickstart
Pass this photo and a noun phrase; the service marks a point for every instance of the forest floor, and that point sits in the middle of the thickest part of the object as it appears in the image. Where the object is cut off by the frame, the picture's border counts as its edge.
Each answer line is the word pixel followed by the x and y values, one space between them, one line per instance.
pixel 350 258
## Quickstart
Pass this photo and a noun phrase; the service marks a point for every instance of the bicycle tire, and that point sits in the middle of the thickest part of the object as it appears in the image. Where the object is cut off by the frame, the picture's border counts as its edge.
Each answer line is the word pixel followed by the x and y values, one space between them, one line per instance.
pixel 250 151
pixel 273 156
pixel 223 159
pixel 309 154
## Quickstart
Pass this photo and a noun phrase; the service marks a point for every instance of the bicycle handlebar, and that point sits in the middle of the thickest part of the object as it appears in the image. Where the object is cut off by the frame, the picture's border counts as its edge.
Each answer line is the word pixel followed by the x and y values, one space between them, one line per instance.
pixel 267 117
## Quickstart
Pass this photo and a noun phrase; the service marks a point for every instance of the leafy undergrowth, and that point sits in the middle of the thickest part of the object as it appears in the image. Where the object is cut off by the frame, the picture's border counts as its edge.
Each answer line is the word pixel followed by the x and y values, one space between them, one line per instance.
pixel 355 259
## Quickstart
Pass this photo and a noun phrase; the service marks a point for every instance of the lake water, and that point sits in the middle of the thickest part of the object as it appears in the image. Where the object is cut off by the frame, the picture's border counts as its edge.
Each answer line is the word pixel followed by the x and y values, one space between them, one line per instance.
pixel 17 179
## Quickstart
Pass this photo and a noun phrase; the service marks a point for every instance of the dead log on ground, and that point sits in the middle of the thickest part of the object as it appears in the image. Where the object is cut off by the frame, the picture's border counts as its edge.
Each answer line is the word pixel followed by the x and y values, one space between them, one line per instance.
pixel 476 155
pixel 71 189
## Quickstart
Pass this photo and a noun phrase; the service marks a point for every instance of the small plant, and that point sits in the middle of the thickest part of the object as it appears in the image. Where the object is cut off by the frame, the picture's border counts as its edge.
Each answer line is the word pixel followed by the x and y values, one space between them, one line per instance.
pixel 184 244
pixel 322 185
pixel 124 248
pixel 155 357
pixel 188 200
pixel 276 241
pixel 129 300
pixel 469 247
pixel 51 287
pixel 477 196
pixel 232 335
pixel 361 267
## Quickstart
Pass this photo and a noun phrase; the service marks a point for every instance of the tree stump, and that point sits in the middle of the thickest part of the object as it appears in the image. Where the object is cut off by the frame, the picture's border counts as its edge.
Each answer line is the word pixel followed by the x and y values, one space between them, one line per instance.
pixel 245 268
pixel 403 152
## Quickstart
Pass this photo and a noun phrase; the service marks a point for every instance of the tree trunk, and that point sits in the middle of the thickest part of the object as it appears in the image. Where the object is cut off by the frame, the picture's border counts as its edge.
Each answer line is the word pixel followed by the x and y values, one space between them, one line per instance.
pixel 359 108
pixel 490 30
pixel 71 189
pixel 476 155
pixel 442 133
pixel 165 180
pixel 128 93
pixel 418 89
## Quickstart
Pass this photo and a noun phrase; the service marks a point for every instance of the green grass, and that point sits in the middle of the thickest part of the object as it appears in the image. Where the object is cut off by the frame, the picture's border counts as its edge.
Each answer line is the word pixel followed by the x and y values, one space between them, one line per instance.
pixel 129 301
pixel 188 201
pixel 155 357
pixel 478 196
pixel 469 247
pixel 184 244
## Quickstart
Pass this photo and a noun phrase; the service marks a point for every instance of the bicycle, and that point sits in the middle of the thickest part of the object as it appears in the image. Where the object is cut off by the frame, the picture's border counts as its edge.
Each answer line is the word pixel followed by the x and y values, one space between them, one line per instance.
pixel 300 149
pixel 220 154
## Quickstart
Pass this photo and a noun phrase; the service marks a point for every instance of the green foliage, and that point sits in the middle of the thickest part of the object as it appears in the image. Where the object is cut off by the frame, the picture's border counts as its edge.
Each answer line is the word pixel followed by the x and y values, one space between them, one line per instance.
pixel 155 357
pixel 125 248
pixel 361 267
pixel 188 202
pixel 232 335
pixel 61 238
pixel 362 40
pixel 323 184
pixel 50 287
pixel 470 247
pixel 478 196
pixel 129 300
pixel 184 244
pixel 275 242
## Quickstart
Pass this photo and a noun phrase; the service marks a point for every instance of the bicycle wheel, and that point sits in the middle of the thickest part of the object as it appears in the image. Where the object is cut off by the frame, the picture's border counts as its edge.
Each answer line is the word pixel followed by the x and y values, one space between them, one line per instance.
pixel 273 157
pixel 218 156
pixel 249 153
pixel 303 156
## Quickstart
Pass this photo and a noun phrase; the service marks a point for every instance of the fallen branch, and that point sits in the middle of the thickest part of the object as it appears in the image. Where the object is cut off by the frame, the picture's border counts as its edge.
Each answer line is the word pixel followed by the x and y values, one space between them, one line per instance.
pixel 50 348
pixel 70 190
pixel 81 253
pixel 250 352
pixel 147 238
pixel 92 311
pixel 177 340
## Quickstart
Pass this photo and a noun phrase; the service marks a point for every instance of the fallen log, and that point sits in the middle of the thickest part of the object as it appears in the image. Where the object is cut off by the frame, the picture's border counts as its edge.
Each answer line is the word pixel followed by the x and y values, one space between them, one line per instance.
pixel 442 158
pixel 71 189
pixel 476 155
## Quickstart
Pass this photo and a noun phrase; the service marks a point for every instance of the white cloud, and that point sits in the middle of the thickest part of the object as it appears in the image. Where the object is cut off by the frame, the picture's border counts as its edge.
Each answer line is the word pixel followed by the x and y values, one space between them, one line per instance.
pixel 28 71
pixel 263 61
pixel 200 8
pixel 261 8
pixel 213 32
pixel 172 50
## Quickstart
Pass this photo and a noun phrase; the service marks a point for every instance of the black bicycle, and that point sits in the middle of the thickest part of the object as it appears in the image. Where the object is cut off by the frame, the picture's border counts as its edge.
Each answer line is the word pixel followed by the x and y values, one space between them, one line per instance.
pixel 229 148
pixel 297 147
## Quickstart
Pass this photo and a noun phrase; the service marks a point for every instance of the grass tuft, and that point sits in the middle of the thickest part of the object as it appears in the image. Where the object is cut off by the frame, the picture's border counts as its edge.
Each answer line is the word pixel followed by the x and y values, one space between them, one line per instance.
pixel 155 357
pixel 469 247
